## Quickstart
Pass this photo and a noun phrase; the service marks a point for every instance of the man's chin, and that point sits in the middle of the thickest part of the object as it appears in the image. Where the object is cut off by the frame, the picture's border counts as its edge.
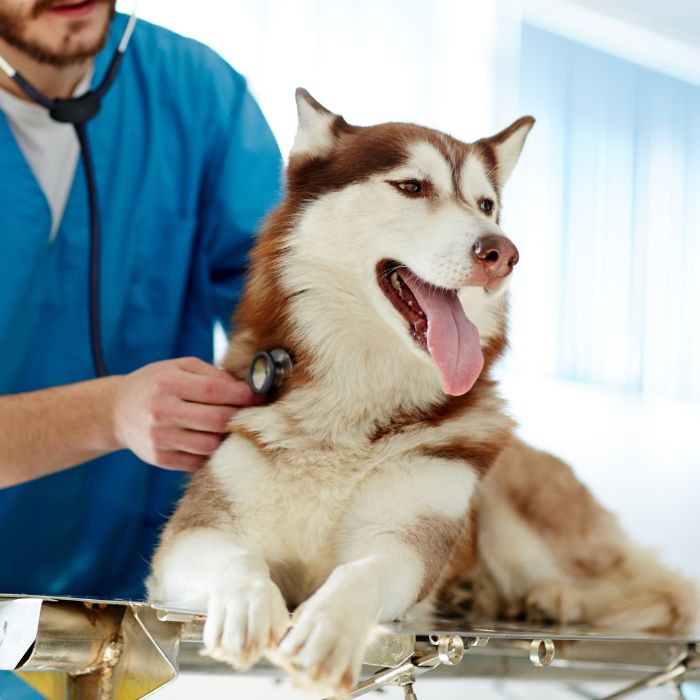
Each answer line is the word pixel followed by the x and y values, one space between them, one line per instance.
pixel 75 48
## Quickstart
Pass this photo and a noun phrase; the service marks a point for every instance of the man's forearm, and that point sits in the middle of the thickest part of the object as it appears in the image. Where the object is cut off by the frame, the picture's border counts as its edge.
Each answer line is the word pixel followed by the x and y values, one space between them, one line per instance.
pixel 45 431
pixel 171 414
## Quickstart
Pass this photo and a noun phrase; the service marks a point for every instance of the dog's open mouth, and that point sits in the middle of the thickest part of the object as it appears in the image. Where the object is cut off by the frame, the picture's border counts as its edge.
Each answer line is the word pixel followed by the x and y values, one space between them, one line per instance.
pixel 437 322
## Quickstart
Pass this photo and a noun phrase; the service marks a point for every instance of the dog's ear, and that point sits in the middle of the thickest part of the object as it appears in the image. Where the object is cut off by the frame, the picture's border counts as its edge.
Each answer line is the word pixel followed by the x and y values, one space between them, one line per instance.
pixel 315 134
pixel 507 145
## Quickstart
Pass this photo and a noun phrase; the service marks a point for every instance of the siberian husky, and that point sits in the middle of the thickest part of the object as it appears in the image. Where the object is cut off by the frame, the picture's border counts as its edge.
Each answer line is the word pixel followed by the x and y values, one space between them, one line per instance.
pixel 383 274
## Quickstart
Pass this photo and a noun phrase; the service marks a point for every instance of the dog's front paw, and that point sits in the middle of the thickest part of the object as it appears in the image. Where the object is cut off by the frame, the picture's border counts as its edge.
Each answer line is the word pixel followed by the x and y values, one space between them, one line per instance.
pixel 324 650
pixel 245 619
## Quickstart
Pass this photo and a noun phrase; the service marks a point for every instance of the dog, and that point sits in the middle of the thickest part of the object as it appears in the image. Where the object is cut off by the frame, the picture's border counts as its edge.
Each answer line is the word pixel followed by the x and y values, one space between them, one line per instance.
pixel 349 497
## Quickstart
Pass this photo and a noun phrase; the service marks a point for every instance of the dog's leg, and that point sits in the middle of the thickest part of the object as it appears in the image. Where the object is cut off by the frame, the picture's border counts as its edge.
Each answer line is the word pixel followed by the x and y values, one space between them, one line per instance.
pixel 207 569
pixel 392 545
pixel 211 558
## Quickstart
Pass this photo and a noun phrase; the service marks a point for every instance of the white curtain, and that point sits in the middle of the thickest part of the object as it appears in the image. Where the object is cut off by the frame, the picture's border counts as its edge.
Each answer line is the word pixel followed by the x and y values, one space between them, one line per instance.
pixel 607 205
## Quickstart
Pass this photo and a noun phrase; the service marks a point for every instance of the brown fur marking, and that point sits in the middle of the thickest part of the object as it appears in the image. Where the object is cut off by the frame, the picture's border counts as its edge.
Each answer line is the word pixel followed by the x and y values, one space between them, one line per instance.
pixel 433 537
pixel 560 503
pixel 544 492
pixel 249 435
pixel 461 563
pixel 452 408
pixel 203 505
pixel 456 406
pixel 479 455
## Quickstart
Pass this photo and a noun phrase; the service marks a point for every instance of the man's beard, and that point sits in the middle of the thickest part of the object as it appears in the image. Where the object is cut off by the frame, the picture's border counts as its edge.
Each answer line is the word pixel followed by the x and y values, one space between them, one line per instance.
pixel 11 30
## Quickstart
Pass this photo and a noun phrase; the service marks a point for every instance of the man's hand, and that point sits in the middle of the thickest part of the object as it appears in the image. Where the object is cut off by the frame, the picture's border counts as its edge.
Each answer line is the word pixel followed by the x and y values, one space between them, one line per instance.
pixel 171 414
pixel 174 413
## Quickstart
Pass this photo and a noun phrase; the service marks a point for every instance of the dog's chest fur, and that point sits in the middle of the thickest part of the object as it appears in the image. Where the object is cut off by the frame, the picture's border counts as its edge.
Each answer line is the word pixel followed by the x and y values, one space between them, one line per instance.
pixel 291 503
pixel 291 482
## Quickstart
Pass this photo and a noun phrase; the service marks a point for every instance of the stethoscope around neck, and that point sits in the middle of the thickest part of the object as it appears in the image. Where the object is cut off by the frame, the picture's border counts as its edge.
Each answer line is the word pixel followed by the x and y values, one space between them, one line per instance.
pixel 78 111
pixel 268 369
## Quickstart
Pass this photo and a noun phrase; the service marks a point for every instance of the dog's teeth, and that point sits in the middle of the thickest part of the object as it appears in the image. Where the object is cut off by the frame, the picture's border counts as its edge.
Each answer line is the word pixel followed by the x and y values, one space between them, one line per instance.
pixel 410 303
pixel 396 283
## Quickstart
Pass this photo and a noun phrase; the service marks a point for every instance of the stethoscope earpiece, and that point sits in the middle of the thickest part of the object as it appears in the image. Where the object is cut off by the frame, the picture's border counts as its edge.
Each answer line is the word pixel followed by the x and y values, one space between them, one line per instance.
pixel 268 370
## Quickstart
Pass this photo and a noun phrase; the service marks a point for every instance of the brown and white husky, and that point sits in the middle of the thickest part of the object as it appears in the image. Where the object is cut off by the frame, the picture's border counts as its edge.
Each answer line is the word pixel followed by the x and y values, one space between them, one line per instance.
pixel 383 273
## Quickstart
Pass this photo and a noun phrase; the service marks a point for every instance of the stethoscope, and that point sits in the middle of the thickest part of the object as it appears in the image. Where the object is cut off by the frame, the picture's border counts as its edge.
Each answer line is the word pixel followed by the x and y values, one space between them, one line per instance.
pixel 78 111
pixel 267 370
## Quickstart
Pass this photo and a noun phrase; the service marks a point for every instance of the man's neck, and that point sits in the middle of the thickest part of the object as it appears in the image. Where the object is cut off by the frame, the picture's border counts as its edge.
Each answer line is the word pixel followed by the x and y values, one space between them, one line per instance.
pixel 52 81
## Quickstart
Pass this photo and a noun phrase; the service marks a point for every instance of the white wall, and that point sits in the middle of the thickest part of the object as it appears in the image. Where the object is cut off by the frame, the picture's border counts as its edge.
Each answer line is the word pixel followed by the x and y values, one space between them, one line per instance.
pixel 392 60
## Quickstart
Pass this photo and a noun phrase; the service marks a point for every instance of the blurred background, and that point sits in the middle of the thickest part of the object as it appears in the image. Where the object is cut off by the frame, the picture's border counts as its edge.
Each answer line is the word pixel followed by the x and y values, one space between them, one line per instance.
pixel 604 365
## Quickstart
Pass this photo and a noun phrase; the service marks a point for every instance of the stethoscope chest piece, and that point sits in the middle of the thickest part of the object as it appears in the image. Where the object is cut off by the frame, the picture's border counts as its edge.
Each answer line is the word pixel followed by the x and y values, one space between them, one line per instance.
pixel 268 370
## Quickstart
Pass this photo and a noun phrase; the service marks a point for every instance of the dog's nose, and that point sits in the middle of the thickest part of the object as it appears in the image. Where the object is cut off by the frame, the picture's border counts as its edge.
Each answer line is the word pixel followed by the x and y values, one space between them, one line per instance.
pixel 497 255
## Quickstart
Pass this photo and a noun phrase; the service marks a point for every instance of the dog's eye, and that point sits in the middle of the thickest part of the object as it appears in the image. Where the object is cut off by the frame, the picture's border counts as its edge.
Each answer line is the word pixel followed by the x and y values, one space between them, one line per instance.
pixel 411 187
pixel 486 205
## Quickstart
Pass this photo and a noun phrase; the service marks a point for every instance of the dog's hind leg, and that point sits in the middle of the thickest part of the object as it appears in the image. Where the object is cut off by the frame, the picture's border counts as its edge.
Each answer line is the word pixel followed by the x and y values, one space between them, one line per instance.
pixel 557 555
pixel 391 545
pixel 651 597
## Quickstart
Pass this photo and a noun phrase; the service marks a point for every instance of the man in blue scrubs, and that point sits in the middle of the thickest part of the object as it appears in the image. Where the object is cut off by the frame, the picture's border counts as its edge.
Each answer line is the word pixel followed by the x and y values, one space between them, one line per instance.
pixel 186 167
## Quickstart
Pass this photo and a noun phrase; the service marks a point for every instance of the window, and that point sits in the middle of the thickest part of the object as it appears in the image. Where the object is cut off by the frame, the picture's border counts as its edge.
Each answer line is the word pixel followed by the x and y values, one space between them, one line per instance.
pixel 607 208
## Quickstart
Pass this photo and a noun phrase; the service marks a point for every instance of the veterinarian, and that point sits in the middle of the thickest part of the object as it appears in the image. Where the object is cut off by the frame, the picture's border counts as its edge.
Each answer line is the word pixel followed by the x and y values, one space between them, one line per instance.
pixel 185 167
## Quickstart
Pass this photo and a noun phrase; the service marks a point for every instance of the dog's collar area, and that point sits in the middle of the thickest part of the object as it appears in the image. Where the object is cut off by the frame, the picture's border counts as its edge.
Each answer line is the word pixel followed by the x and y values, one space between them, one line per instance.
pixel 268 370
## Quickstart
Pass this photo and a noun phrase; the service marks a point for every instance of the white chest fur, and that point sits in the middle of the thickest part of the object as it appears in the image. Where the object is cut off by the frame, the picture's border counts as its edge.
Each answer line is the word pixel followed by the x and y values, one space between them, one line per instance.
pixel 289 504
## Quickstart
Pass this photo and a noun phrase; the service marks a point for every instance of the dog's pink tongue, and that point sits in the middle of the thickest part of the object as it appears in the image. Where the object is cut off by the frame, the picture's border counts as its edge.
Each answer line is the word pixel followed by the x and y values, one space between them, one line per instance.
pixel 453 340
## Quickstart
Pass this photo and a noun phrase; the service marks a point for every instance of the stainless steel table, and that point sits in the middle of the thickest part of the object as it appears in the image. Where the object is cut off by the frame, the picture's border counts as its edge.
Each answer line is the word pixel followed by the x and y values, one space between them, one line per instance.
pixel 123 650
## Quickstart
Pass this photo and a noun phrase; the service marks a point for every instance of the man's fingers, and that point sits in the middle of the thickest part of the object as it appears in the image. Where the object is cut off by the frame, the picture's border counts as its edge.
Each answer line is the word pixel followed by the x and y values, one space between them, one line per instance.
pixel 197 366
pixel 174 413
pixel 212 389
pixel 181 461
pixel 197 416
pixel 195 442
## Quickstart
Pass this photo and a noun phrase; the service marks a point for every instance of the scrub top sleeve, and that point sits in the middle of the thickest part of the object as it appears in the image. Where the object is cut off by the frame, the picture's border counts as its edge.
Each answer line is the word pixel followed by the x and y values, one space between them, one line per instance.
pixel 242 184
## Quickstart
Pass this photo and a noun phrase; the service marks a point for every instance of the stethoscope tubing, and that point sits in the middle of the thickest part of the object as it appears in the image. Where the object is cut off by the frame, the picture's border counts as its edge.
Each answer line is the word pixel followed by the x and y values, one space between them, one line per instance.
pixel 77 111
pixel 94 286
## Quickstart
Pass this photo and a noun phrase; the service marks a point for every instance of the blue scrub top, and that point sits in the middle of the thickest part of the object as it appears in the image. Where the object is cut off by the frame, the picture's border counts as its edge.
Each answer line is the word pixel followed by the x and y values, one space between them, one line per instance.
pixel 186 168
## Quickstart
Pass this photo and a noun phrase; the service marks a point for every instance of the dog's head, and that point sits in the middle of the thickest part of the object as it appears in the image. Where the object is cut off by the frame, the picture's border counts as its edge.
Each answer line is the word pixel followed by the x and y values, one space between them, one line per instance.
pixel 392 233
